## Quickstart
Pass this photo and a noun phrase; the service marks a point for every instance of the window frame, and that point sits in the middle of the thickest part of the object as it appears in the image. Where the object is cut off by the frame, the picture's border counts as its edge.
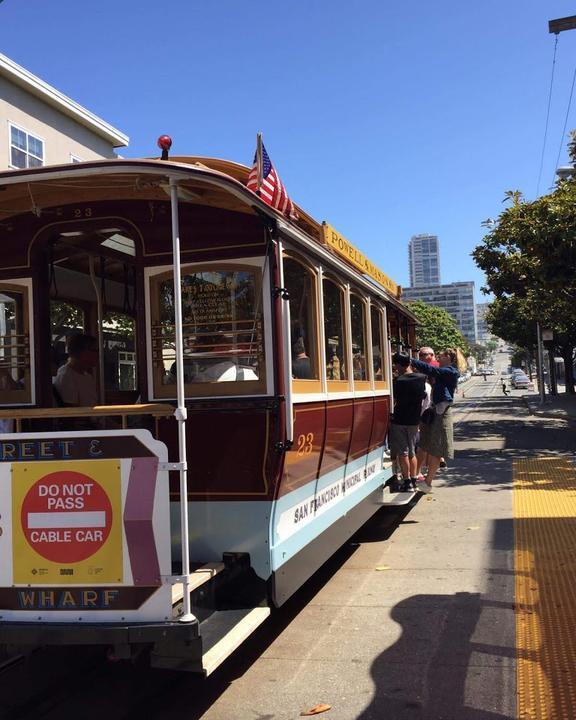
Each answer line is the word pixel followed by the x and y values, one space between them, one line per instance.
pixel 264 386
pixel 24 286
pixel 339 386
pixel 384 347
pixel 27 153
pixel 301 386
pixel 361 385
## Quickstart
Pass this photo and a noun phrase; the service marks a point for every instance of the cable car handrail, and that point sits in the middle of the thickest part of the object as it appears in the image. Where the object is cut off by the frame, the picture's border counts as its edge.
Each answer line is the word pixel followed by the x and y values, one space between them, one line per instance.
pixel 156 409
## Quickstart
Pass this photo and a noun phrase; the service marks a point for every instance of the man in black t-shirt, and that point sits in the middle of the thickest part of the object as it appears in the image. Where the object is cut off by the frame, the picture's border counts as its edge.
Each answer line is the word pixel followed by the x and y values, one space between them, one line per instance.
pixel 409 391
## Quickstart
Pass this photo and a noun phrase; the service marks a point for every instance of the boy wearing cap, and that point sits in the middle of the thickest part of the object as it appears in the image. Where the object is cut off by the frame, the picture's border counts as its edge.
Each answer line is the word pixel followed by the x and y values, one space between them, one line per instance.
pixel 409 391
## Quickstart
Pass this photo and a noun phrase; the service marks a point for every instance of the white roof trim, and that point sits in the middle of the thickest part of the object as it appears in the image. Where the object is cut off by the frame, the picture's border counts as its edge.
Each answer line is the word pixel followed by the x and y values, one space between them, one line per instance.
pixel 25 79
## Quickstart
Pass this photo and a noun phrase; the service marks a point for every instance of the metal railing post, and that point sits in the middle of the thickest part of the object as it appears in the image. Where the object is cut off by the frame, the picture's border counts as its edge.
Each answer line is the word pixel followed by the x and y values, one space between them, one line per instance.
pixel 180 413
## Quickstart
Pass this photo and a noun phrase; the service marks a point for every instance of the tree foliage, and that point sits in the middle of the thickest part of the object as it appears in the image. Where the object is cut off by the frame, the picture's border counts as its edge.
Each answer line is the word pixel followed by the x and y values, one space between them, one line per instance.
pixel 529 259
pixel 437 328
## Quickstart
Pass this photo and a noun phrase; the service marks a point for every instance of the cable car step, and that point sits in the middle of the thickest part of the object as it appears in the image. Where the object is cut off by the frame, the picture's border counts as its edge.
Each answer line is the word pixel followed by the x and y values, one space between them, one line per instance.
pixel 200 576
pixel 225 630
pixel 396 498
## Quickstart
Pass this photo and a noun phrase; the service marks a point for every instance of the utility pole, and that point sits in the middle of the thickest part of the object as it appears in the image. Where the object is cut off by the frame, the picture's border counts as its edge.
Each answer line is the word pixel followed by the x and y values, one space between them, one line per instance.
pixel 561 24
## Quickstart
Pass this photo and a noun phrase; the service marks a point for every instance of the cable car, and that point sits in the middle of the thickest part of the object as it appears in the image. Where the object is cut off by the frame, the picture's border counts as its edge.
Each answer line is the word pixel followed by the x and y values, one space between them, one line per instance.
pixel 236 437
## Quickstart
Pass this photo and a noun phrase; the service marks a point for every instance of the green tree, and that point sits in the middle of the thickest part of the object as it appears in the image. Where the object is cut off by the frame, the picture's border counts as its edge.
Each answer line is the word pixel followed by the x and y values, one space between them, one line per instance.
pixel 437 328
pixel 529 259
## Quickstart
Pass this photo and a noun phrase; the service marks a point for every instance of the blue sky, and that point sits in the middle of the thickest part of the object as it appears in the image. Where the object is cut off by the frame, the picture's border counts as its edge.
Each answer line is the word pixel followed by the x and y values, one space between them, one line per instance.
pixel 385 119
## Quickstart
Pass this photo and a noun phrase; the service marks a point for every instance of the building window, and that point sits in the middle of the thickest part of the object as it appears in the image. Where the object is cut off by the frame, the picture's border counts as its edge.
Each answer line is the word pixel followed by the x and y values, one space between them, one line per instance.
pixel 75 159
pixel 25 150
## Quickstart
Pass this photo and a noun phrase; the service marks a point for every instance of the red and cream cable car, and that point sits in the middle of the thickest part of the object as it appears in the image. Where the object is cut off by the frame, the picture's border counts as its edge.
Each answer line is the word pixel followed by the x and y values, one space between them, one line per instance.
pixel 259 393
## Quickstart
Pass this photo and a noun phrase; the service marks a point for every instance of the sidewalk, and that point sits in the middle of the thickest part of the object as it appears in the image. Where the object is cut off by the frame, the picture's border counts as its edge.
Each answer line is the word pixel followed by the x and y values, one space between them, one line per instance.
pixel 560 407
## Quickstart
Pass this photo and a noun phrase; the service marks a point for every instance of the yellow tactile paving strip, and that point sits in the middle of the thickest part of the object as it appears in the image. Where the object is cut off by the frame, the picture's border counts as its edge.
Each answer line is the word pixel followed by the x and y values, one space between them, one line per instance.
pixel 545 569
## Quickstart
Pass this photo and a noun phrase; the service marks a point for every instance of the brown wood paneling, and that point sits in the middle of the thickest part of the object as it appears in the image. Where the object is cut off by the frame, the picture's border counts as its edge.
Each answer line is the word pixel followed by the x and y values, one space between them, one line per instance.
pixel 302 460
pixel 230 452
pixel 381 420
pixel 339 420
pixel 362 427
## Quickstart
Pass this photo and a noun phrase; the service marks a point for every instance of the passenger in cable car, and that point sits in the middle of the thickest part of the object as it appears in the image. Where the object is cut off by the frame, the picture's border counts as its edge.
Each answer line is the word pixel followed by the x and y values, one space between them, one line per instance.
pixel 75 381
pixel 301 365
pixel 334 371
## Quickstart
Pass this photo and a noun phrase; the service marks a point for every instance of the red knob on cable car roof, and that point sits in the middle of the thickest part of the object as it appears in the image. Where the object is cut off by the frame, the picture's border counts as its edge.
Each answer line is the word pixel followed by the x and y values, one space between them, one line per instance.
pixel 165 143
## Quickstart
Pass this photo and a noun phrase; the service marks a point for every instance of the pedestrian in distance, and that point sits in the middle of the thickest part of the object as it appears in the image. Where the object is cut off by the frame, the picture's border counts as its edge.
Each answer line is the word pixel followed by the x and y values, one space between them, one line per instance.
pixel 409 392
pixel 504 388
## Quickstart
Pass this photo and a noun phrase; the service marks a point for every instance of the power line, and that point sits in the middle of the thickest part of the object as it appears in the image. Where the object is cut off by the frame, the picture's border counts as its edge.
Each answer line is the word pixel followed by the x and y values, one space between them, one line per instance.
pixel 565 124
pixel 547 118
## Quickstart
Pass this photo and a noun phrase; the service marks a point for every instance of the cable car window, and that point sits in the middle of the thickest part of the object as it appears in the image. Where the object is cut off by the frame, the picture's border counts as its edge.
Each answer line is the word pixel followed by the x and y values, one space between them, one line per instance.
pixel 65 319
pixel 15 375
pixel 300 284
pixel 222 328
pixel 378 356
pixel 119 352
pixel 334 333
pixel 358 322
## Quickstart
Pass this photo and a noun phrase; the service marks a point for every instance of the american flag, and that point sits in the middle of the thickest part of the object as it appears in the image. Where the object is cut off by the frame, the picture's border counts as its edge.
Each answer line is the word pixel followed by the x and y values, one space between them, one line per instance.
pixel 264 181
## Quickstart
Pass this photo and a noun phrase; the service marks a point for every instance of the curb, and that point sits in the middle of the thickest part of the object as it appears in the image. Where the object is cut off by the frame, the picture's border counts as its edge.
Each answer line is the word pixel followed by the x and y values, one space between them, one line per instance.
pixel 534 410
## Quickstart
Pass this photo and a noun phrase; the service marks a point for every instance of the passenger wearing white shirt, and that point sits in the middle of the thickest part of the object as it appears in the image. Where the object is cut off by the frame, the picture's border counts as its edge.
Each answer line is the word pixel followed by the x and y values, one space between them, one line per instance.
pixel 74 381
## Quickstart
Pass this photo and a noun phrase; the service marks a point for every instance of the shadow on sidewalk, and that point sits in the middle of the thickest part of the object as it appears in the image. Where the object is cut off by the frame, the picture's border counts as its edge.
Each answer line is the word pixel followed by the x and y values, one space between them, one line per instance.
pixel 456 656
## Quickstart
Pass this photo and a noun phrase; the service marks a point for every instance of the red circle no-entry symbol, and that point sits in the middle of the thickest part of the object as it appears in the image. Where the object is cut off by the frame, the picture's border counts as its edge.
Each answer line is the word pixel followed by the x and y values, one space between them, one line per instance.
pixel 66 516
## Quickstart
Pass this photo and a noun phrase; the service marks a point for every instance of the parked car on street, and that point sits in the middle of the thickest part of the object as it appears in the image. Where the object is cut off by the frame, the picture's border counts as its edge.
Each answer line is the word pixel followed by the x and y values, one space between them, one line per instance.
pixel 520 381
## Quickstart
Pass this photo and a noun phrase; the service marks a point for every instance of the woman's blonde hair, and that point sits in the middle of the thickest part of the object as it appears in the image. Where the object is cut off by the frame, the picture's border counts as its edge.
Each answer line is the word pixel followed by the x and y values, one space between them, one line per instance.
pixel 456 358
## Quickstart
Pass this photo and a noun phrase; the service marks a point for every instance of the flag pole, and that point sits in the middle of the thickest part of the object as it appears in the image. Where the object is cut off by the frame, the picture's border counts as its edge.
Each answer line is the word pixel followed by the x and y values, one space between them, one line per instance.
pixel 259 159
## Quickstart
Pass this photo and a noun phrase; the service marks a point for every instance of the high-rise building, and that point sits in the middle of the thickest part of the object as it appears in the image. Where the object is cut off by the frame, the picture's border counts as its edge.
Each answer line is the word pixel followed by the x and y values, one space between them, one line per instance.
pixel 456 298
pixel 483 331
pixel 424 255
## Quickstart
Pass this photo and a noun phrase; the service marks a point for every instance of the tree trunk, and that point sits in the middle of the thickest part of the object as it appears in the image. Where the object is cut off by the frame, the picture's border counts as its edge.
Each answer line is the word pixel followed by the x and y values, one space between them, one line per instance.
pixel 567 354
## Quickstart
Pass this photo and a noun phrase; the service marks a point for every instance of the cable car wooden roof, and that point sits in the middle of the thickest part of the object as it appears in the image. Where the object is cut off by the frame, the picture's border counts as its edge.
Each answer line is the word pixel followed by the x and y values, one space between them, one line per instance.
pixel 202 180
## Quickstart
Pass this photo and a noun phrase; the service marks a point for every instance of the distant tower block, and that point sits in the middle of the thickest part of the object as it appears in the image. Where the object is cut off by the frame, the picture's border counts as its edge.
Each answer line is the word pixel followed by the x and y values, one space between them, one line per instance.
pixel 424 256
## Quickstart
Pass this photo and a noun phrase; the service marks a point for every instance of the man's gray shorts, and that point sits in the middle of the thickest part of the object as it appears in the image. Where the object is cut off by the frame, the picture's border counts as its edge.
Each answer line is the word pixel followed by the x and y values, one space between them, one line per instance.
pixel 402 439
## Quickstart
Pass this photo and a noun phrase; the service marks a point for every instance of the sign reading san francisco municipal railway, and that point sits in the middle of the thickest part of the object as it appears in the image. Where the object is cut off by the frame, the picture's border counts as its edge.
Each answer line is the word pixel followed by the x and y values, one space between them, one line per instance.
pixel 344 248
pixel 67 522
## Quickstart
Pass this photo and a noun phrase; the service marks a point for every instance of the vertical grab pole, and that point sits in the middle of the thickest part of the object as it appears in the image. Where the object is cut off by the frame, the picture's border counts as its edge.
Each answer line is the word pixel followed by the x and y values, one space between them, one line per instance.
pixel 100 321
pixel 285 310
pixel 180 413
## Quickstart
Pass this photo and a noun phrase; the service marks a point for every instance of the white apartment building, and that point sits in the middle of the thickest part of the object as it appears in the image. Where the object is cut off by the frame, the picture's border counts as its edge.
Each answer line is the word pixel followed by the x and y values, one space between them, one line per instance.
pixel 483 331
pixel 39 125
pixel 424 260
pixel 456 298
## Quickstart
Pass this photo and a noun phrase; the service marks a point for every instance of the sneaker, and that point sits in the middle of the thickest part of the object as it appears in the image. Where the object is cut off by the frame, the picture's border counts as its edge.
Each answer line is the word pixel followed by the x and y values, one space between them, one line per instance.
pixel 443 464
pixel 406 486
pixel 393 484
pixel 423 487
pixel 414 482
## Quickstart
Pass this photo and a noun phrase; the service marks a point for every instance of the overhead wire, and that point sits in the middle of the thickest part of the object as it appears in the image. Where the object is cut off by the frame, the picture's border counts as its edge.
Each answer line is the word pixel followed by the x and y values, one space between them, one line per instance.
pixel 547 117
pixel 565 124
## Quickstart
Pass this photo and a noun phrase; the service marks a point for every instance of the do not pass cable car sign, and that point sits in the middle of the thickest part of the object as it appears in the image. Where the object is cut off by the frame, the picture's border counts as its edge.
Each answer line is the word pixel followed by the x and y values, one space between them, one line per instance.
pixel 66 517
pixel 69 527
